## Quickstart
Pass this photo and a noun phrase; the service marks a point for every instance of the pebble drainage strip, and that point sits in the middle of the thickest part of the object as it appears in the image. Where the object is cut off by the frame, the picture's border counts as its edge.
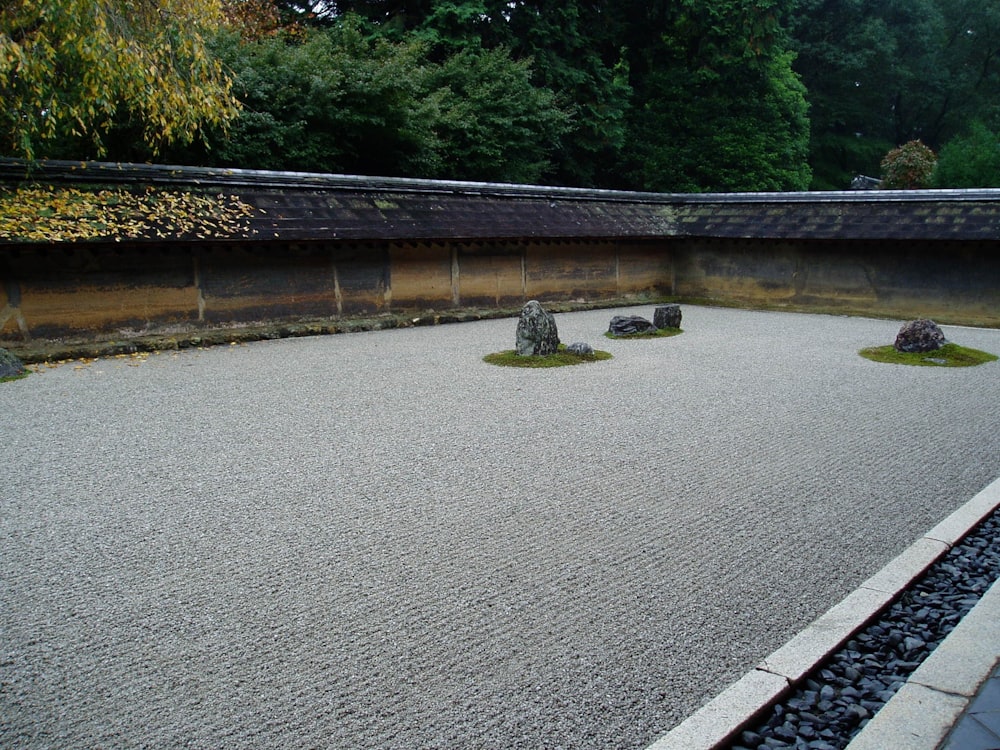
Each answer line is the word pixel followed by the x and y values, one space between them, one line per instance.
pixel 839 697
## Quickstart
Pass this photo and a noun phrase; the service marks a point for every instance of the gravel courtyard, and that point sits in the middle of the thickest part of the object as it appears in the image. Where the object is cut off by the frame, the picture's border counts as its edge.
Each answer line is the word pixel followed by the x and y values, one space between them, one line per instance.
pixel 376 540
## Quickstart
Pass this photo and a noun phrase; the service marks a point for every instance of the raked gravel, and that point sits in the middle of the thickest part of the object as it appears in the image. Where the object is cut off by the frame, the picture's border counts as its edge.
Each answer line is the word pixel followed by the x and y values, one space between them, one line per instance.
pixel 376 540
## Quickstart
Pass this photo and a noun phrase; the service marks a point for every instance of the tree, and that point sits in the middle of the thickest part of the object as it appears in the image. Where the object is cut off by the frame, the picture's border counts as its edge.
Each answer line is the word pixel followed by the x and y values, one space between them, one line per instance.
pixel 337 100
pixel 255 19
pixel 883 72
pixel 575 49
pixel 309 12
pixel 573 53
pixel 722 109
pixel 393 18
pixel 494 123
pixel 971 56
pixel 909 167
pixel 971 160
pixel 329 101
pixel 74 68
pixel 844 55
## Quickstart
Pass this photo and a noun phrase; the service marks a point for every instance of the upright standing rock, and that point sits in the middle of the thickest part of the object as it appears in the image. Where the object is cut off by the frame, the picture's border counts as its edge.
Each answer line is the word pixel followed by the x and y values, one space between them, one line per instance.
pixel 536 331
pixel 667 316
pixel 920 335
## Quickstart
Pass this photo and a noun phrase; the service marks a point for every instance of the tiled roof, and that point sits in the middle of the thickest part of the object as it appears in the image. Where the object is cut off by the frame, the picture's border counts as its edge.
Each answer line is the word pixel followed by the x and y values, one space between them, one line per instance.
pixel 304 206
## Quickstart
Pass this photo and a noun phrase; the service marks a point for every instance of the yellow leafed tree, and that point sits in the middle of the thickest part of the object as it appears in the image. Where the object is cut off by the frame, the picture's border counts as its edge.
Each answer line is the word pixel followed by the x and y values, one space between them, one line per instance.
pixel 75 67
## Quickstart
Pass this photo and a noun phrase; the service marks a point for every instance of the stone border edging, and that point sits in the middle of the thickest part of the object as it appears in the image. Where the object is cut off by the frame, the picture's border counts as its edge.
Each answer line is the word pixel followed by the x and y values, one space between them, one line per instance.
pixel 925 709
pixel 722 718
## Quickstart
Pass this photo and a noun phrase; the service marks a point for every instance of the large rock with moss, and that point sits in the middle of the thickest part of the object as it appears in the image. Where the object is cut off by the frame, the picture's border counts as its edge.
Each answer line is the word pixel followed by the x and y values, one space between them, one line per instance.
pixel 536 331
pixel 10 366
pixel 920 335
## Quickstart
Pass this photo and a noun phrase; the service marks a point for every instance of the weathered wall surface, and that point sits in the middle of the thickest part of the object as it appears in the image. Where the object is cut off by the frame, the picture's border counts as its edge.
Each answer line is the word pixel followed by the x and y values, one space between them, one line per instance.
pixel 950 282
pixel 97 290
pixel 79 292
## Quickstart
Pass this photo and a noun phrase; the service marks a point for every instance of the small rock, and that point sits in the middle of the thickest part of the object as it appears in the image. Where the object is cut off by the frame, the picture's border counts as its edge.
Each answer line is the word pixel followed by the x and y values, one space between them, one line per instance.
pixel 10 366
pixel 921 335
pixel 857 713
pixel 536 331
pixel 580 349
pixel 913 644
pixel 785 732
pixel 873 706
pixel 667 316
pixel 625 325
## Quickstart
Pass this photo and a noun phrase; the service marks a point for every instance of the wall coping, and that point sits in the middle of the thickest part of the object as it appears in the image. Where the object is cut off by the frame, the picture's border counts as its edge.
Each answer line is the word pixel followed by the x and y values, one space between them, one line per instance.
pixel 299 206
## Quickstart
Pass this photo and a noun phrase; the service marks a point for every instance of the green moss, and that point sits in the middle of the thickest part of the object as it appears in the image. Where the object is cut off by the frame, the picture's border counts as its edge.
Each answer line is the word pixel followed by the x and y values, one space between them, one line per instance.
pixel 949 355
pixel 659 333
pixel 562 358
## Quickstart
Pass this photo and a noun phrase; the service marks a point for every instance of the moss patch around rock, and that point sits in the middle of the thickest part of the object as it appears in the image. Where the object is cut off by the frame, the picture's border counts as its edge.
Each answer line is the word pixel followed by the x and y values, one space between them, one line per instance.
pixel 949 355
pixel 562 358
pixel 659 333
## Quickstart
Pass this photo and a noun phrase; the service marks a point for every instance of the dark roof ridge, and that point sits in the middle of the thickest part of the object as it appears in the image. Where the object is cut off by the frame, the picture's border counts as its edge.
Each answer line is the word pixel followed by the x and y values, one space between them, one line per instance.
pixel 18 170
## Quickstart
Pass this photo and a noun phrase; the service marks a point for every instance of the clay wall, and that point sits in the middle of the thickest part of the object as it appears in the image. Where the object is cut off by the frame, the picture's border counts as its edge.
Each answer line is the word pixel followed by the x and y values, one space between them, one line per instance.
pixel 111 290
pixel 80 292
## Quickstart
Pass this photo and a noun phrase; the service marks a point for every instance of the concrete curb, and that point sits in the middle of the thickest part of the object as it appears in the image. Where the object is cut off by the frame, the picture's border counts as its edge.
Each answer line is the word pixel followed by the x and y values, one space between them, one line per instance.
pixel 721 719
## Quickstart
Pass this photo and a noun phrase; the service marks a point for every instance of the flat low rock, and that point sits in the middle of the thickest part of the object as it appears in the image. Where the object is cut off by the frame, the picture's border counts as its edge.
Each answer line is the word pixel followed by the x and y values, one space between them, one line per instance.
pixel 625 325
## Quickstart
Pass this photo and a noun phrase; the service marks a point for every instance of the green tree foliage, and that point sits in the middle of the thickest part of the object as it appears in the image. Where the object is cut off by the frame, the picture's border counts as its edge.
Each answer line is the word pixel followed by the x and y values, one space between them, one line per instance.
pixel 722 109
pixel 687 95
pixel 971 59
pixel 882 72
pixel 570 48
pixel 494 124
pixel 908 167
pixel 336 100
pixel 307 12
pixel 333 101
pixel 453 27
pixel 575 51
pixel 844 51
pixel 72 69
pixel 393 18
pixel 970 161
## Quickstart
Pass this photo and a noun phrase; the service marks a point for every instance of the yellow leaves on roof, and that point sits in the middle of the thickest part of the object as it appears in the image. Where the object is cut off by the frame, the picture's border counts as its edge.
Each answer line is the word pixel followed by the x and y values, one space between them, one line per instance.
pixel 58 214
